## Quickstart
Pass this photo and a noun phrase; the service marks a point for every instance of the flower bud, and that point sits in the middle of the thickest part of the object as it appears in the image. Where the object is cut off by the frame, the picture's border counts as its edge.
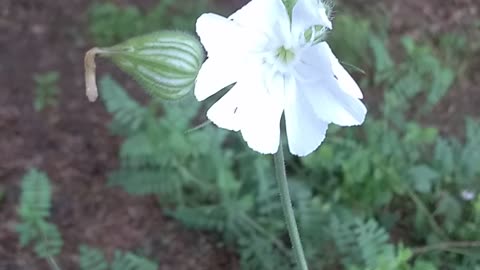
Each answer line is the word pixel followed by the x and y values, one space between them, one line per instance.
pixel 165 63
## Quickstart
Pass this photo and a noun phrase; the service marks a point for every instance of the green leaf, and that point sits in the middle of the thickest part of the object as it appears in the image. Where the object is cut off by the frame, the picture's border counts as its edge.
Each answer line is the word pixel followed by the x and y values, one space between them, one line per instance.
pixel 423 178
pixel 92 259
pixel 444 157
pixel 35 198
pixel 451 209
pixel 130 261
pixel 49 241
pixel 383 61
pixel 424 265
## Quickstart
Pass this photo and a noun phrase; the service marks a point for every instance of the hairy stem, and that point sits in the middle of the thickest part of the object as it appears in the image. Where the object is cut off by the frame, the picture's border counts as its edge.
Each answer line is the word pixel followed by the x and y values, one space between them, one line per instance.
pixel 281 176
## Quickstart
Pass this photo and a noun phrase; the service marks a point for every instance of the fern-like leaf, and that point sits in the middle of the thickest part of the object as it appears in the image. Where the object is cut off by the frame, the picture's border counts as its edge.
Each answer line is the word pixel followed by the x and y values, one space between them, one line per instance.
pixel 36 196
pixel 360 242
pixel 49 242
pixel 129 116
pixel 92 259
pixel 34 209
pixel 130 261
pixel 254 252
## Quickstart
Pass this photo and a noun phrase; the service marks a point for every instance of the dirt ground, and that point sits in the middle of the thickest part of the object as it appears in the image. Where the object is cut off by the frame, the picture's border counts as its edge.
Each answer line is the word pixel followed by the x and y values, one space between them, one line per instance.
pixel 71 143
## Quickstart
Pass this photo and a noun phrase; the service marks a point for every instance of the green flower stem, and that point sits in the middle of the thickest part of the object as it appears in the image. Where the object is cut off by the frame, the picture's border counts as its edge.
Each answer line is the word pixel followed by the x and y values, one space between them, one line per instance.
pixel 281 176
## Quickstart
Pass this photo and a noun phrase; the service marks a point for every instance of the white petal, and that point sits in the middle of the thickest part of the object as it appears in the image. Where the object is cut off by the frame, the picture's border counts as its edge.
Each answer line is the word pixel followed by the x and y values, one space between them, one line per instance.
pixel 314 63
pixel 260 116
pixel 260 15
pixel 307 13
pixel 347 83
pixel 324 20
pixel 222 37
pixel 214 75
pixel 319 61
pixel 305 131
pixel 333 105
pixel 224 113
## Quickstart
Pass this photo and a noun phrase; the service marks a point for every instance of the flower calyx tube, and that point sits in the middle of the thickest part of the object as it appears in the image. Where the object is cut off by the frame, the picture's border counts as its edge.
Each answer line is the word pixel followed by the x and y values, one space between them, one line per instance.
pixel 164 63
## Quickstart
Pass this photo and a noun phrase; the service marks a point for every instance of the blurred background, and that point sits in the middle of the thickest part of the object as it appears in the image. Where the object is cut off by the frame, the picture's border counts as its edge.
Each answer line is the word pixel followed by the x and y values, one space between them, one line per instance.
pixel 120 184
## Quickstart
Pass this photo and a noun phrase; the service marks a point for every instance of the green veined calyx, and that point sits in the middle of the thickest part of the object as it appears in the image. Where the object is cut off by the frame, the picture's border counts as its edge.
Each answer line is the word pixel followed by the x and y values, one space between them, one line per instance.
pixel 165 63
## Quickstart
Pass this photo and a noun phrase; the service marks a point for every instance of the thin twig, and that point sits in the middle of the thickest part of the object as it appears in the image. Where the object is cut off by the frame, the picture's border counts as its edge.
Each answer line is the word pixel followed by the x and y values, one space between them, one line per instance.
pixel 271 237
pixel 445 246
pixel 53 264
pixel 431 219
pixel 51 261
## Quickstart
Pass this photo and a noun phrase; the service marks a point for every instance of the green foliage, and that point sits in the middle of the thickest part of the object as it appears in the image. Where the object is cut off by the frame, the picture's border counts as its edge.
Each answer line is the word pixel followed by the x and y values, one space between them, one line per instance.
pixel 46 90
pixel 157 149
pixel 154 159
pixel 396 170
pixel 357 29
pixel 110 23
pixel 34 210
pixel 359 199
pixel 366 243
pixel 129 116
pixel 93 259
pixel 130 261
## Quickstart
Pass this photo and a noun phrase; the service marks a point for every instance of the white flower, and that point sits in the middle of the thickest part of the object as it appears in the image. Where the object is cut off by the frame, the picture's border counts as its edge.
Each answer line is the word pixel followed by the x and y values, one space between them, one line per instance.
pixel 275 70
pixel 468 195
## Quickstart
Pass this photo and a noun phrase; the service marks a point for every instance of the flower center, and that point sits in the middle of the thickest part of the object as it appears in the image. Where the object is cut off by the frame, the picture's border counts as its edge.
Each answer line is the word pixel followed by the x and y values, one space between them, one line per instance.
pixel 286 56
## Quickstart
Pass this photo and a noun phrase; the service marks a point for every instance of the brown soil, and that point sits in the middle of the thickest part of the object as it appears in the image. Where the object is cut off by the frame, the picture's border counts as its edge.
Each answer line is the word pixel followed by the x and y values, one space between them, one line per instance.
pixel 427 20
pixel 72 144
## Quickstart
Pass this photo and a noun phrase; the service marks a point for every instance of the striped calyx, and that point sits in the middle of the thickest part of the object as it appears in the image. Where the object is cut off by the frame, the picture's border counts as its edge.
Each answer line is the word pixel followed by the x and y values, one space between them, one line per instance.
pixel 165 63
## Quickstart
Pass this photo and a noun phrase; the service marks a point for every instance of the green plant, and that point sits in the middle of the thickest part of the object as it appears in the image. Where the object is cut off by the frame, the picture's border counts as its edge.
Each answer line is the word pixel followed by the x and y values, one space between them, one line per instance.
pixel 394 164
pixel 34 210
pixel 358 29
pixel 156 151
pixel 384 196
pixel 94 259
pixel 46 90
pixel 110 23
